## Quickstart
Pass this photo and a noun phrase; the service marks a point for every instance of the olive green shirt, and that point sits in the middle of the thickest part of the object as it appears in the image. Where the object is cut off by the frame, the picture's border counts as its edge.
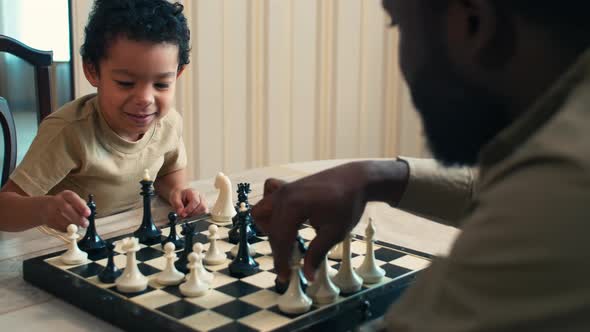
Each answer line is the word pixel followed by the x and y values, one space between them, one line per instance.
pixel 522 260
pixel 75 149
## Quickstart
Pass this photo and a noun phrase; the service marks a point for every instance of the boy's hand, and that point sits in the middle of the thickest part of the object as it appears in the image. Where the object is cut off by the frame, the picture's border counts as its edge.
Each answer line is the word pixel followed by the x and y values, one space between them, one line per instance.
pixel 188 203
pixel 64 209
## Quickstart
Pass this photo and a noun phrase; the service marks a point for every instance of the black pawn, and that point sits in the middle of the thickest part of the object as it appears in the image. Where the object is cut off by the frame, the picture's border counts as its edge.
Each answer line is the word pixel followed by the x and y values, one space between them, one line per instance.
pixel 243 264
pixel 188 230
pixel 173 237
pixel 91 242
pixel 110 273
pixel 147 233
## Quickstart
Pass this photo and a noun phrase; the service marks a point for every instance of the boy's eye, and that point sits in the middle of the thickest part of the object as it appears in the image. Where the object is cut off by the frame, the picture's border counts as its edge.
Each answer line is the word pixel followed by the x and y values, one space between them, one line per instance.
pixel 125 84
pixel 162 85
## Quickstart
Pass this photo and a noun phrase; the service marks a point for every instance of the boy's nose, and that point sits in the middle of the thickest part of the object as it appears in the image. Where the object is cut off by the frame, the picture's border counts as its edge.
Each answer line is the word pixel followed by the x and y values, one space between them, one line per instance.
pixel 144 97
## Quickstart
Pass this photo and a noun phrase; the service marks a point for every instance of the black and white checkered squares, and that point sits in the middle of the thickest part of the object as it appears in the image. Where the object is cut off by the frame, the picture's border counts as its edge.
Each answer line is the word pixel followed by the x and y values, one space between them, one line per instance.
pixel 232 304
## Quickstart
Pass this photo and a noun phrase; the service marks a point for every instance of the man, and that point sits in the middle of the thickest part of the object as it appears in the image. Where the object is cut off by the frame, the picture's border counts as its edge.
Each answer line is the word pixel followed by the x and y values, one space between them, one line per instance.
pixel 503 85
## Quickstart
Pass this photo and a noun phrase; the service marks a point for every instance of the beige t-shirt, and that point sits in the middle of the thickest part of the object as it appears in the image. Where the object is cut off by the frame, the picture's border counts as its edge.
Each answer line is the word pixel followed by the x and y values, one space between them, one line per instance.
pixel 75 149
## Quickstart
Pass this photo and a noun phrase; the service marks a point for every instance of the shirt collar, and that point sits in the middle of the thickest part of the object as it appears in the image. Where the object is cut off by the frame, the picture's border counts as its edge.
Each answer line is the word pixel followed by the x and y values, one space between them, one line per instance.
pixel 538 114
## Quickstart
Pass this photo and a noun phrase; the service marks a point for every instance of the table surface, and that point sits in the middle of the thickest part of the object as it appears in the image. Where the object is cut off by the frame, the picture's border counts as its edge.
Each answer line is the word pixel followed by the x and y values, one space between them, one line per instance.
pixel 25 306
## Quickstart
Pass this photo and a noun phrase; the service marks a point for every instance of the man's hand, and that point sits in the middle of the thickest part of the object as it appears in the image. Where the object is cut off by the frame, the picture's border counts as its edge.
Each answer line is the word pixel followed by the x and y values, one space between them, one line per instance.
pixel 188 203
pixel 331 201
pixel 64 209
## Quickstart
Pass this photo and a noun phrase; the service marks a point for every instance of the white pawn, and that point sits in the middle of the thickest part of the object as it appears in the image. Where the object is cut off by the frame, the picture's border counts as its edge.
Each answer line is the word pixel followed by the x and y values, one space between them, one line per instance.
pixel 170 275
pixel 336 252
pixel 204 275
pixel 73 255
pixel 369 271
pixel 323 290
pixel 331 271
pixel 223 210
pixel 132 280
pixel 214 256
pixel 347 279
pixel 294 300
pixel 194 286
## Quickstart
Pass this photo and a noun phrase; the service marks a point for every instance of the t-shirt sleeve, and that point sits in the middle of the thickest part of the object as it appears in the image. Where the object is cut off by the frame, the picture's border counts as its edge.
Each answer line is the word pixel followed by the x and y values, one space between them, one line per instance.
pixel 176 158
pixel 49 158
pixel 439 193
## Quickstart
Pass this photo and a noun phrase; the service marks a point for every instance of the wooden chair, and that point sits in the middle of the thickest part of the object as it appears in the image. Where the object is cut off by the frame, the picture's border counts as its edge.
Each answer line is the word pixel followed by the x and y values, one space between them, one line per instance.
pixel 9 133
pixel 41 61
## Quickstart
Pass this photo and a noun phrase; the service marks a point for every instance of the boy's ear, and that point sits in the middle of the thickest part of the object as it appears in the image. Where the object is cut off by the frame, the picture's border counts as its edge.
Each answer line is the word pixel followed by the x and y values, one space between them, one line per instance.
pixel 180 70
pixel 91 73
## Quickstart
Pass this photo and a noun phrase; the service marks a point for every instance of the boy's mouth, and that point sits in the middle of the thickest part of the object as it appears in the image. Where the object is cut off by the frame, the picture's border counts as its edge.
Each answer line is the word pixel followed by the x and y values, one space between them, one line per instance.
pixel 141 118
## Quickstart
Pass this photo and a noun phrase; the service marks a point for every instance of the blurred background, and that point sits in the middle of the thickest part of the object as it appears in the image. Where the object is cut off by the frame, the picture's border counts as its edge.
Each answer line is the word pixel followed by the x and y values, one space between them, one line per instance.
pixel 270 81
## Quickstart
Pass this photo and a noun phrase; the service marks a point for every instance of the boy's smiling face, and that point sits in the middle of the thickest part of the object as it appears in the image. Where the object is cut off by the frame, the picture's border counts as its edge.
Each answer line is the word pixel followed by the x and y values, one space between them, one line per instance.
pixel 136 82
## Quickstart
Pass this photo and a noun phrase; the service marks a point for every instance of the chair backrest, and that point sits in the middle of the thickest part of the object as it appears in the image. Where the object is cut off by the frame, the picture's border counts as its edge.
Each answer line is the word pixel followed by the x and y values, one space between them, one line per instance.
pixel 9 133
pixel 41 61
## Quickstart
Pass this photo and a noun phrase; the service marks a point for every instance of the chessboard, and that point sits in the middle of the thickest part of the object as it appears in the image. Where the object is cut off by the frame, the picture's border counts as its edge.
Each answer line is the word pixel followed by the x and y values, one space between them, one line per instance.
pixel 232 304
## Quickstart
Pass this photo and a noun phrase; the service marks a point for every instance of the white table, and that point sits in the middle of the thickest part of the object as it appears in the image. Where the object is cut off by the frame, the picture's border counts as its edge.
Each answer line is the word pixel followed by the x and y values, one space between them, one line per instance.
pixel 25 307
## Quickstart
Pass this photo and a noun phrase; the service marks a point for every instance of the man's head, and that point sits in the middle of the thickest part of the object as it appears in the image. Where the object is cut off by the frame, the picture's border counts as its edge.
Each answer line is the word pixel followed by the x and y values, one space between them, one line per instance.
pixel 134 50
pixel 473 66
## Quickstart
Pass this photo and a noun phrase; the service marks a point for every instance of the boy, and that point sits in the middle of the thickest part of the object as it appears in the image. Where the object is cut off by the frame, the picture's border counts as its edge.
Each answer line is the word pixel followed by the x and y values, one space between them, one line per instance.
pixel 133 53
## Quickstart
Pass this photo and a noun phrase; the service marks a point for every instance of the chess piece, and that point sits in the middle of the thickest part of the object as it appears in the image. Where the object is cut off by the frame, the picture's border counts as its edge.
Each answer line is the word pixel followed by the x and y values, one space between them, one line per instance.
pixel 91 242
pixel 170 275
pixel 173 237
pixel 110 273
pixel 346 279
pixel 294 301
pixel 193 287
pixel 369 271
pixel 223 210
pixel 188 230
pixel 299 250
pixel 214 256
pixel 234 233
pixel 73 255
pixel 132 280
pixel 331 271
pixel 243 264
pixel 323 290
pixel 234 250
pixel 204 275
pixel 147 233
pixel 336 252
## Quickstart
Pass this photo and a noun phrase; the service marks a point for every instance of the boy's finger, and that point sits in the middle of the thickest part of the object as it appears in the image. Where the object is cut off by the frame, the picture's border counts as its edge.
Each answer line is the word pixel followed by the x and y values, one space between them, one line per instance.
pixel 71 215
pixel 77 203
pixel 202 208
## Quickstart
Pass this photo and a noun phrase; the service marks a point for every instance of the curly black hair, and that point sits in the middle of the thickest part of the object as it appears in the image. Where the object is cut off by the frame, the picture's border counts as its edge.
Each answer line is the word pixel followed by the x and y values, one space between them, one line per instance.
pixel 141 20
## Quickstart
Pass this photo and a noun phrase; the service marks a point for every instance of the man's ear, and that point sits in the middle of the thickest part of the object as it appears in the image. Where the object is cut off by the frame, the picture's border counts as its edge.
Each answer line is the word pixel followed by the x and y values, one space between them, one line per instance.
pixel 91 73
pixel 479 32
pixel 180 71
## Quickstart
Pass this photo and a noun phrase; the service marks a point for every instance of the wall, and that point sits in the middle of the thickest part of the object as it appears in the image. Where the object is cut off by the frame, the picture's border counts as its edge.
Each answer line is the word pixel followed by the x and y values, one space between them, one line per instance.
pixel 278 81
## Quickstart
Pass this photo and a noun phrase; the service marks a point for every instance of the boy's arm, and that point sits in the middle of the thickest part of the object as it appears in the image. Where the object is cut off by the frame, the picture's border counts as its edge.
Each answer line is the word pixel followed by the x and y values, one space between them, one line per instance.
pixel 172 188
pixel 19 211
